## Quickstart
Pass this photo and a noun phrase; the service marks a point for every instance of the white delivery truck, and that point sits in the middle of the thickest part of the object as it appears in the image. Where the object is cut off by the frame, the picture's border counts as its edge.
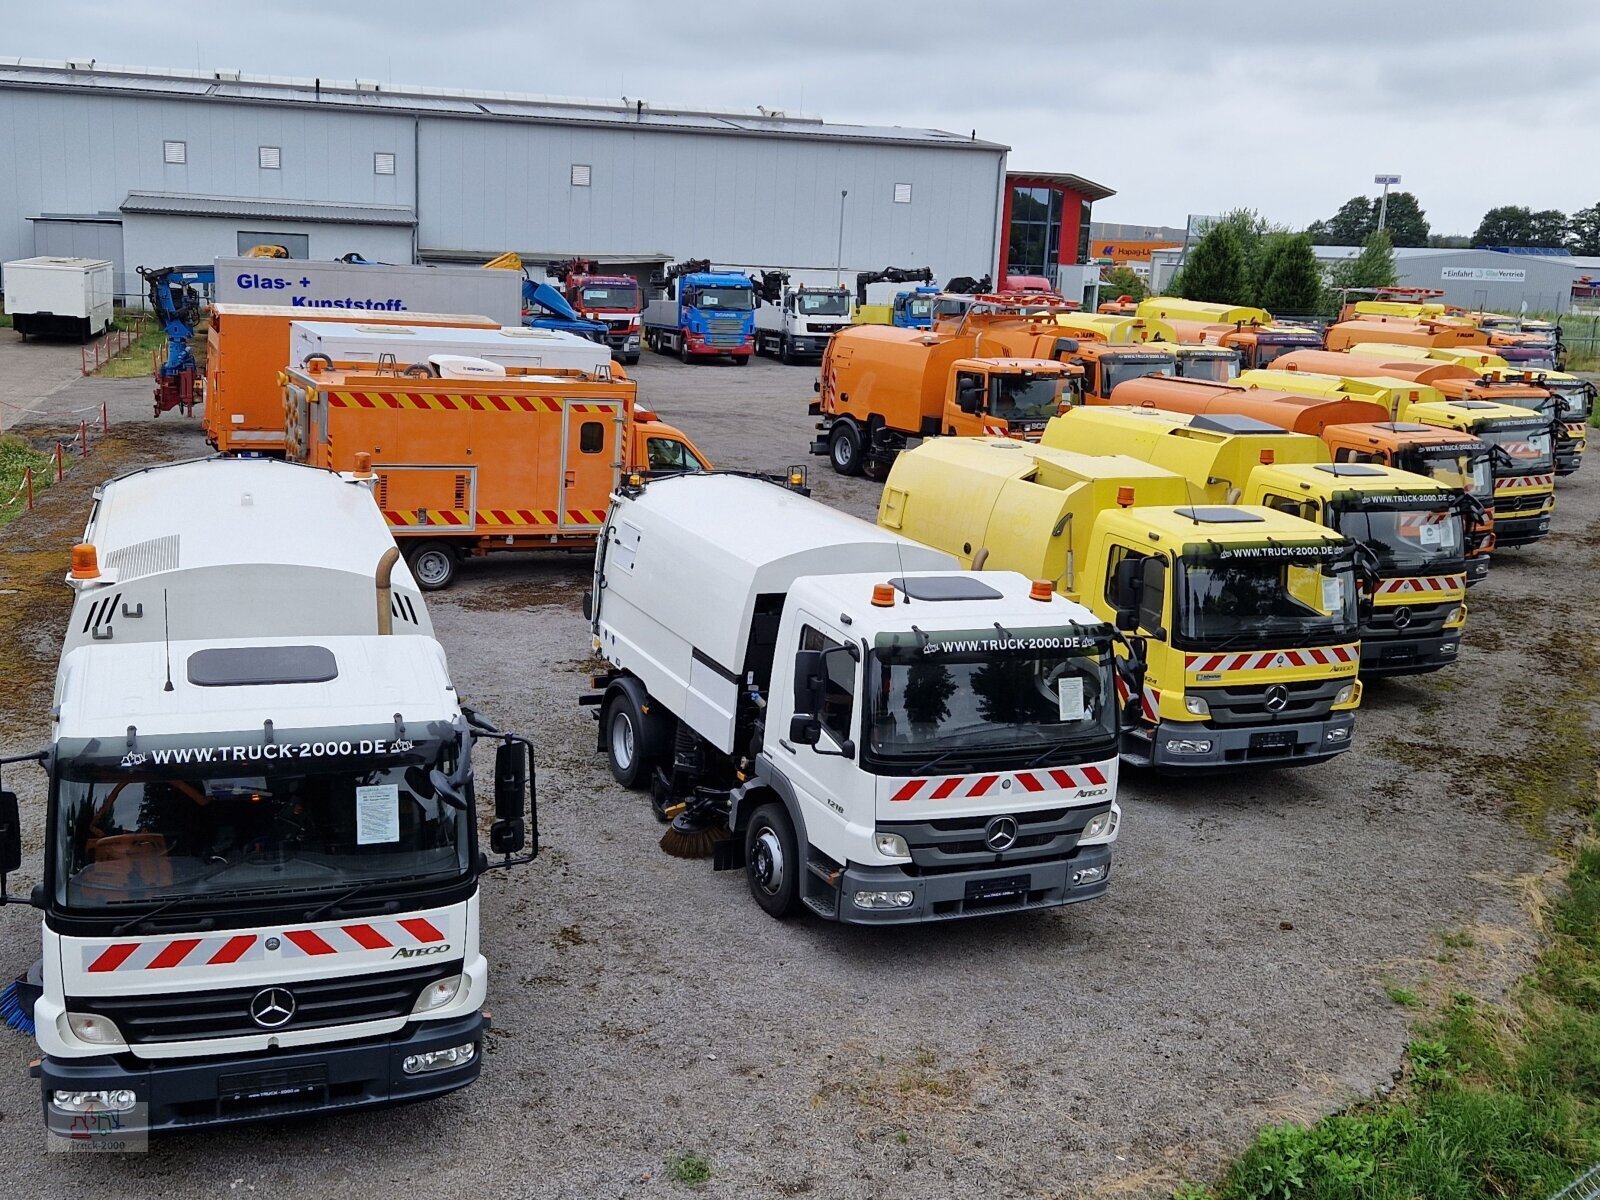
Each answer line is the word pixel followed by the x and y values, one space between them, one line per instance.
pixel 875 734
pixel 52 296
pixel 411 346
pixel 260 883
pixel 799 324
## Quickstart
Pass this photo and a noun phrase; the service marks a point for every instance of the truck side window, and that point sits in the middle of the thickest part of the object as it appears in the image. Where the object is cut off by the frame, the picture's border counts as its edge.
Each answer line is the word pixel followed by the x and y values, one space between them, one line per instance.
pixel 839 701
pixel 591 437
pixel 1305 509
pixel 1153 589
pixel 1360 456
pixel 668 455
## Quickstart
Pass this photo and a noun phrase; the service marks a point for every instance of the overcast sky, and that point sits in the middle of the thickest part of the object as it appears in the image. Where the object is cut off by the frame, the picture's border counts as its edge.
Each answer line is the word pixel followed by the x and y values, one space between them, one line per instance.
pixel 1289 108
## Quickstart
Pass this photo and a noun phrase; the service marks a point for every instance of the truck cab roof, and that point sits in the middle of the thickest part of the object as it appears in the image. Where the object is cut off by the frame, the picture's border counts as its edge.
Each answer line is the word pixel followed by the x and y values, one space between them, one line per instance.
pixel 1367 478
pixel 101 690
pixel 968 600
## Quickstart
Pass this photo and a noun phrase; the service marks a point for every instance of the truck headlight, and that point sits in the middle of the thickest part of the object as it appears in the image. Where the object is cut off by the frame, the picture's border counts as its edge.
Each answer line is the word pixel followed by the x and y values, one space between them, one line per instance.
pixel 92 1028
pixel 1188 745
pixel 883 899
pixel 1340 733
pixel 438 994
pixel 115 1100
pixel 1344 695
pixel 1197 706
pixel 439 1060
pixel 1089 875
pixel 1102 827
pixel 892 845
pixel 1458 615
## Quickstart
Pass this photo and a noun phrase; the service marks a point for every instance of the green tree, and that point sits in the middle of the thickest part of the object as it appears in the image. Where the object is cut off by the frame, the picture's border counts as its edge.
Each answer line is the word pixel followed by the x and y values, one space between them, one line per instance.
pixel 1515 225
pixel 1121 281
pixel 1349 226
pixel 1218 267
pixel 1405 222
pixel 1288 275
pixel 1372 268
pixel 1586 230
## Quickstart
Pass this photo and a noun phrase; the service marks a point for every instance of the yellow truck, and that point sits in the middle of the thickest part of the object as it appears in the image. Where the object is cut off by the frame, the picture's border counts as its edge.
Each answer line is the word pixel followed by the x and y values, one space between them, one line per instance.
pixel 1410 530
pixel 1241 621
pixel 1216 363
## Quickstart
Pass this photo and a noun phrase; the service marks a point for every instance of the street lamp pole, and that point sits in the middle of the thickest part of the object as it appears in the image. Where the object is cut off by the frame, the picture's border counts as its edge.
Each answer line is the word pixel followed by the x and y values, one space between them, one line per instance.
pixel 1383 204
pixel 838 262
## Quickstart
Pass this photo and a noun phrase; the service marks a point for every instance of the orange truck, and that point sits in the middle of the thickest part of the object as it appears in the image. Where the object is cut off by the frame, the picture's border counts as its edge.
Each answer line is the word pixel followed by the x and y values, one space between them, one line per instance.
pixel 1257 345
pixel 1403 332
pixel 247 348
pixel 1287 410
pixel 882 387
pixel 480 458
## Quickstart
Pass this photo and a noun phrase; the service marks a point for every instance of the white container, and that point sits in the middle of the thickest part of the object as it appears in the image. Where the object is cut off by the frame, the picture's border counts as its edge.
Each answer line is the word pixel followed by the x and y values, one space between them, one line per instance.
pixel 373 287
pixel 409 345
pixel 58 297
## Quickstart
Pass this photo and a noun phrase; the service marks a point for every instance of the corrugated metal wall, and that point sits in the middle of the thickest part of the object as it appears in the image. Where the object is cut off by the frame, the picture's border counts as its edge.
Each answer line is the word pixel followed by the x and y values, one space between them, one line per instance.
pixel 491 186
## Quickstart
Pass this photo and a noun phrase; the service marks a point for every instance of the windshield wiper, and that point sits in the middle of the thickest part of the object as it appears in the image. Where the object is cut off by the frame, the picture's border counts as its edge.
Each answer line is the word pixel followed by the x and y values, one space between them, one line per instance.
pixel 175 902
pixel 328 906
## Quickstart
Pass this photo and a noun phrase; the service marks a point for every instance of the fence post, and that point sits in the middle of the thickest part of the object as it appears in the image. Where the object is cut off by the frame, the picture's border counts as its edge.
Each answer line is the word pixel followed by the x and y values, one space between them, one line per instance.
pixel 83 437
pixel 28 475
pixel 105 418
pixel 61 469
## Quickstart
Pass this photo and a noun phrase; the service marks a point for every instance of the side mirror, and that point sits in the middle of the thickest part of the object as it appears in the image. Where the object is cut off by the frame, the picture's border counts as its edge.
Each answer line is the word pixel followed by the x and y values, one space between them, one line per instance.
pixel 588 606
pixel 810 675
pixel 969 395
pixel 805 730
pixel 10 834
pixel 513 798
pixel 1127 586
pixel 1127 620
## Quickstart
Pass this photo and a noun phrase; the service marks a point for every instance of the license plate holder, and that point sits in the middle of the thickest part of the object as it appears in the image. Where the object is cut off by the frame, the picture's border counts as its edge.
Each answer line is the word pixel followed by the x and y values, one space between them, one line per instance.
pixel 989 891
pixel 1273 739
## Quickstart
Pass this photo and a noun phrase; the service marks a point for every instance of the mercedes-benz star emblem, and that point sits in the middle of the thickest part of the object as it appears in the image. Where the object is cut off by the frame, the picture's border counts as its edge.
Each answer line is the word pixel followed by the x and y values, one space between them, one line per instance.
pixel 272 1007
pixel 1402 617
pixel 1277 698
pixel 1000 834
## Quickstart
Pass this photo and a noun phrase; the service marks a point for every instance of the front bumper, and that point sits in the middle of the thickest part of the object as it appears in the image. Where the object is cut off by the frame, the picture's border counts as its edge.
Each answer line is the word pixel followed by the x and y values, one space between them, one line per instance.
pixel 177 1094
pixel 1477 569
pixel 1519 531
pixel 808 345
pixel 1185 746
pixel 1568 461
pixel 951 895
pixel 1409 655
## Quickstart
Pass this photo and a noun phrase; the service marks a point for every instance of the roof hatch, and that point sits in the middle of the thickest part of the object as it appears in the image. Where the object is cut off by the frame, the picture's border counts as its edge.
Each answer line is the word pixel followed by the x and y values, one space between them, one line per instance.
pixel 255 666
pixel 945 587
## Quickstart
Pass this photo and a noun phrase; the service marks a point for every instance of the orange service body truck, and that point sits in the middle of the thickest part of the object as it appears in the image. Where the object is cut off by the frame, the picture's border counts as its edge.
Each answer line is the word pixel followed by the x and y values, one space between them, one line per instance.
pixel 504 459
pixel 247 348
pixel 881 387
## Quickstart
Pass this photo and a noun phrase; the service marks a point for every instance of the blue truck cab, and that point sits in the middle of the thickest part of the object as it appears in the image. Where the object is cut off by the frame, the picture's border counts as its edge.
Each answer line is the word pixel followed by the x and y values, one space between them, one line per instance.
pixel 914 309
pixel 709 313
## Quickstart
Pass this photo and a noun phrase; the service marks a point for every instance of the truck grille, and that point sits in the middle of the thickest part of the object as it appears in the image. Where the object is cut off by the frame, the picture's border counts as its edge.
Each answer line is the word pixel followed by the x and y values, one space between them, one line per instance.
pixel 1421 620
pixel 225 1012
pixel 957 843
pixel 725 331
pixel 1514 503
pixel 1309 700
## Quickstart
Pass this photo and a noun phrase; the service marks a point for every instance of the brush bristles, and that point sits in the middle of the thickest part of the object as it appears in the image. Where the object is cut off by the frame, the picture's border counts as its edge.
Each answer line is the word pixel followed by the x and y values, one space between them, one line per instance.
pixel 693 843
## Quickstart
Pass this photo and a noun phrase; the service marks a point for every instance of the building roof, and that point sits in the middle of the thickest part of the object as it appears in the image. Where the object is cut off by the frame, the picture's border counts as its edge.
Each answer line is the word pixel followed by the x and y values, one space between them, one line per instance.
pixel 1087 188
pixel 182 204
pixel 371 96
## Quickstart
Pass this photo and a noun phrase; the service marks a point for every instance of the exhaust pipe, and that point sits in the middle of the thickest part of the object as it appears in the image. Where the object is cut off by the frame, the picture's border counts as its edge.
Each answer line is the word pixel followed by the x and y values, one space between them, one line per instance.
pixel 385 592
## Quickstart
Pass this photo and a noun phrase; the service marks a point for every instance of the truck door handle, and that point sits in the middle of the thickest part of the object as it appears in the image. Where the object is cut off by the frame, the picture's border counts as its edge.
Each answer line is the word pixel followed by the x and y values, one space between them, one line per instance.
pixel 784 742
pixel 572 478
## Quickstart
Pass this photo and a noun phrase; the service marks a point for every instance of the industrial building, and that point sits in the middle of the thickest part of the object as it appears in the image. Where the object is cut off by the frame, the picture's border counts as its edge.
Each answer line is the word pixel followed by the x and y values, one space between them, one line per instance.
pixel 161 167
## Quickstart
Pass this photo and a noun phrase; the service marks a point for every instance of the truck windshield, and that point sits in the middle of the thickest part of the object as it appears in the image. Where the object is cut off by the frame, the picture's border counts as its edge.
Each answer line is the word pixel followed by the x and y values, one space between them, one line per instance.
pixel 1574 395
pixel 1026 397
pixel 824 304
pixel 919 310
pixel 1469 470
pixel 1219 368
pixel 1267 350
pixel 732 299
pixel 1264 596
pixel 1120 370
pixel 957 700
pixel 1426 537
pixel 1542 402
pixel 611 298
pixel 1528 445
pixel 135 837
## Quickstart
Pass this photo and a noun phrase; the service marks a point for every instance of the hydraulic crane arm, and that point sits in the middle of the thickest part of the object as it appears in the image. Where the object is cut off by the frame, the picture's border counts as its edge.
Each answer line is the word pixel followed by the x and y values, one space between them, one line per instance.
pixel 889 275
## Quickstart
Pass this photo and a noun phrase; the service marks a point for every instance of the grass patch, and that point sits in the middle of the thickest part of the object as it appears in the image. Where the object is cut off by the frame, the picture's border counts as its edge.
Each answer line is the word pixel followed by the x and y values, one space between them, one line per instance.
pixel 691 1170
pixel 1404 997
pixel 137 360
pixel 16 456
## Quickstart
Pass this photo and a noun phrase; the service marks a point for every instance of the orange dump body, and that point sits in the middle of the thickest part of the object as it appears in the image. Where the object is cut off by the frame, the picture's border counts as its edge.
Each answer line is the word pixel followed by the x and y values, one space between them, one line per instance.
pixel 1403 333
pixel 1297 414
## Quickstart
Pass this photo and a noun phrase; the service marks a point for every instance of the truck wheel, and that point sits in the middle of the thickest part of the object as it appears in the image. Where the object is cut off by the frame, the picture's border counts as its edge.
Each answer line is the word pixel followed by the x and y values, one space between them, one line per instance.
pixel 772 861
pixel 844 448
pixel 783 353
pixel 434 565
pixel 625 742
pixel 744 360
pixel 683 352
pixel 631 360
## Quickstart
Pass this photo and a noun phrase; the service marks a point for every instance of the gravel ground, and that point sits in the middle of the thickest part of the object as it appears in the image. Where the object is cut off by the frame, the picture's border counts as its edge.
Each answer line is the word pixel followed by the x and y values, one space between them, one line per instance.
pixel 644 1007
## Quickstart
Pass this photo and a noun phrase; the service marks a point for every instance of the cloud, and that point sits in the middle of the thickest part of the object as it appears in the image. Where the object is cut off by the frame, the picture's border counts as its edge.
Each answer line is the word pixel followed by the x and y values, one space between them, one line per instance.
pixel 1183 108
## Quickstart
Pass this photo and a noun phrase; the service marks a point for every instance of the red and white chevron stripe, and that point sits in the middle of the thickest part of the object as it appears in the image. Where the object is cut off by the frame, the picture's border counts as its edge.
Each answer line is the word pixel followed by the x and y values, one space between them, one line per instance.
pixel 1524 482
pixel 1267 660
pixel 1422 584
pixel 972 787
pixel 1149 700
pixel 164 954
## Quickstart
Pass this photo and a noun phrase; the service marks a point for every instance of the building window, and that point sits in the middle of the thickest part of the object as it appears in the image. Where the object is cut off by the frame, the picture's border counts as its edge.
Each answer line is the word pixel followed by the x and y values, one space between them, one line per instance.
pixel 580 174
pixel 1034 240
pixel 297 244
pixel 269 158
pixel 175 152
pixel 383 163
pixel 1083 233
pixel 902 193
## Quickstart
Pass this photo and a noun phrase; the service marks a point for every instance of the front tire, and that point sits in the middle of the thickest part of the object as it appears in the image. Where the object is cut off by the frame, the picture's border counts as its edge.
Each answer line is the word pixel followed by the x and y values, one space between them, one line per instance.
pixel 844 448
pixel 683 352
pixel 772 861
pixel 434 565
pixel 625 742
